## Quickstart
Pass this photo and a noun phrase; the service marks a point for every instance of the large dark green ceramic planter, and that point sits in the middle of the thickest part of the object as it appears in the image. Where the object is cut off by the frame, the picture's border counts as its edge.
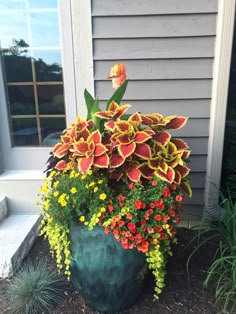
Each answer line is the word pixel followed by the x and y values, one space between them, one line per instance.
pixel 109 278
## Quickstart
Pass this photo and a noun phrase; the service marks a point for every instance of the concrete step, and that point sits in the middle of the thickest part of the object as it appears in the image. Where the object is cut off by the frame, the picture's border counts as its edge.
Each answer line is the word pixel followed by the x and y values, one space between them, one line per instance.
pixel 21 189
pixel 3 207
pixel 17 235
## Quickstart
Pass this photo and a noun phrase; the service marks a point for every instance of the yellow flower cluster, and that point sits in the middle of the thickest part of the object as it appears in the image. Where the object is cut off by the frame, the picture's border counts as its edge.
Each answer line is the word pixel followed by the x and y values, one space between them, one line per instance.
pixel 58 238
pixel 62 200
pixel 156 259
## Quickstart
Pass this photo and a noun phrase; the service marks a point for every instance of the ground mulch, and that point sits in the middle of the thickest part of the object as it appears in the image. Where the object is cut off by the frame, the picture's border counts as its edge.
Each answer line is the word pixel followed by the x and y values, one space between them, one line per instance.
pixel 180 296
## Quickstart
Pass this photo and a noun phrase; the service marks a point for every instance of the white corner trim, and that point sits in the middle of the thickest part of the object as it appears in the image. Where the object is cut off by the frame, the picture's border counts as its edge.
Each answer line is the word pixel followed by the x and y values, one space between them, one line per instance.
pixel 221 71
pixel 67 51
pixel 83 51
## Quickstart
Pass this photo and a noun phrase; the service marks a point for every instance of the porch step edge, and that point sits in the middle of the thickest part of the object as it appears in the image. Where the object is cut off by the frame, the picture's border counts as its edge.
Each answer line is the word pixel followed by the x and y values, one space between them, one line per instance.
pixel 3 207
pixel 17 235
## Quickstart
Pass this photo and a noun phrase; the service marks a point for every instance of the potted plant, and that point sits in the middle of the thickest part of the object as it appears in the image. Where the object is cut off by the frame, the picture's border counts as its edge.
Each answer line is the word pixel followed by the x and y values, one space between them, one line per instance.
pixel 112 198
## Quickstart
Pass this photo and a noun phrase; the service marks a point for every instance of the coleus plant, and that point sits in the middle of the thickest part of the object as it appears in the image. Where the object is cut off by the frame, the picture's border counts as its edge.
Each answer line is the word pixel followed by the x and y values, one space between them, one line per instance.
pixel 138 145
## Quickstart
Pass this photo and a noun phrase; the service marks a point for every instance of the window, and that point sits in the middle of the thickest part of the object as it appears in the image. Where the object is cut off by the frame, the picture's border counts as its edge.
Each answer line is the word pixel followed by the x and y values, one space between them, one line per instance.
pixel 32 70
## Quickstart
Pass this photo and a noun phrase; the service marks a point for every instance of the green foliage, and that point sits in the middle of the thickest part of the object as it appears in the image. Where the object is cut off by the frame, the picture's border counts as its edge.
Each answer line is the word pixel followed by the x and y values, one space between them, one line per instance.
pixel 118 94
pixel 92 107
pixel 222 271
pixel 34 289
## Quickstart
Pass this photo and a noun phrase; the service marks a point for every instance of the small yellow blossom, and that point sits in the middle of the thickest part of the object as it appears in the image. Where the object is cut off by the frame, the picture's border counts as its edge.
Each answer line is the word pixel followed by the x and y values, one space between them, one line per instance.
pixel 95 189
pixel 102 209
pixel 91 184
pixel 100 181
pixel 89 172
pixel 55 184
pixel 82 218
pixel 73 190
pixel 56 193
pixel 102 196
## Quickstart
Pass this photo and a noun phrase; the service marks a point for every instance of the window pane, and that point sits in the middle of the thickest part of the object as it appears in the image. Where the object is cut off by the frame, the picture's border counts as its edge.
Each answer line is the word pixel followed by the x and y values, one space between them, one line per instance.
pixel 21 100
pixel 12 5
pixel 48 65
pixel 51 99
pixel 24 132
pixel 31 56
pixel 39 4
pixel 51 129
pixel 13 26
pixel 18 67
pixel 44 26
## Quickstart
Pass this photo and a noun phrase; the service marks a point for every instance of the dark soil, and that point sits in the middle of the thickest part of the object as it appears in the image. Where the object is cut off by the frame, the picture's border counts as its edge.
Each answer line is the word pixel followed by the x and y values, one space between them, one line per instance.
pixel 181 295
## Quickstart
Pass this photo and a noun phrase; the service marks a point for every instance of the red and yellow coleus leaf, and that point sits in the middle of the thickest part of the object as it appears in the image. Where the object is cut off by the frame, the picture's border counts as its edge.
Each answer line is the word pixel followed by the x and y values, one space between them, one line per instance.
pixel 176 122
pixel 126 150
pixel 101 161
pixel 162 137
pixel 177 178
pixel 143 151
pixel 85 163
pixel 114 111
pixel 146 171
pixel 61 165
pixel 185 185
pixel 167 176
pixel 141 137
pixel 154 163
pixel 116 160
pixel 183 170
pixel 179 143
pixel 134 173
pixel 61 149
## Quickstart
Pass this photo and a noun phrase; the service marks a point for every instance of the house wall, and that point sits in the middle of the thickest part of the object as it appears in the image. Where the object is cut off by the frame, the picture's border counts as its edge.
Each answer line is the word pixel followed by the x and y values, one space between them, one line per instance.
pixel 168 48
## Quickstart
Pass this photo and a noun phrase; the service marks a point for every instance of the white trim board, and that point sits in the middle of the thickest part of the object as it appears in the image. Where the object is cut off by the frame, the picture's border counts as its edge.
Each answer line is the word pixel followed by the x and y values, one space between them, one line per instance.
pixel 83 51
pixel 223 50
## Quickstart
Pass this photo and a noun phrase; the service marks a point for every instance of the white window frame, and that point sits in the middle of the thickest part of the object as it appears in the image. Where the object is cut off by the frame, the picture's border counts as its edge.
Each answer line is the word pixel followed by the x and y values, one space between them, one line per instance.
pixel 77 62
pixel 222 62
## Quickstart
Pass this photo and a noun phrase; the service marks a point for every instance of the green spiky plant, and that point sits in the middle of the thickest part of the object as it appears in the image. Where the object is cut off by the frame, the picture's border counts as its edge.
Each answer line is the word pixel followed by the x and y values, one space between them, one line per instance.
pixel 222 271
pixel 34 289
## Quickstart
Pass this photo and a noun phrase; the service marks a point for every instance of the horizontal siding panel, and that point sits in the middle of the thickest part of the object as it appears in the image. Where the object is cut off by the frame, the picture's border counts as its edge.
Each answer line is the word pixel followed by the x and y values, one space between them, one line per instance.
pixel 192 212
pixel 156 48
pixel 163 89
pixel 193 108
pixel 197 163
pixel 141 7
pixel 197 197
pixel 194 128
pixel 154 26
pixel 159 69
pixel 198 145
pixel 198 179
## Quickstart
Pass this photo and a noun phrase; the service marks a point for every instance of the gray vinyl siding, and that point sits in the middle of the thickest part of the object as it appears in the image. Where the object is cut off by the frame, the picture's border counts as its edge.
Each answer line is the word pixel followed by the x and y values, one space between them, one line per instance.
pixel 168 49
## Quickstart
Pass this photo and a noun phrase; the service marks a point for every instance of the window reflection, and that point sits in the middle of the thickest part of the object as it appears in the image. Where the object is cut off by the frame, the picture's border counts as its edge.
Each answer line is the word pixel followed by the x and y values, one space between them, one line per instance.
pixel 48 65
pixel 25 132
pixel 51 99
pixel 13 25
pixel 51 129
pixel 44 26
pixel 21 100
pixel 31 59
pixel 36 4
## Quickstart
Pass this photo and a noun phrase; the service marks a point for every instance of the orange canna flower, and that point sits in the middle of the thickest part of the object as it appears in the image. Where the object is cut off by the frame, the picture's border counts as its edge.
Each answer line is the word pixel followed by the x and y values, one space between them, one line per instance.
pixel 118 75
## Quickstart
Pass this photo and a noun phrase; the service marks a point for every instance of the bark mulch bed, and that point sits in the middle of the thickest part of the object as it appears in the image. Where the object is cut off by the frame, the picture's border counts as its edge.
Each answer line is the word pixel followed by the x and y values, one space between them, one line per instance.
pixel 180 295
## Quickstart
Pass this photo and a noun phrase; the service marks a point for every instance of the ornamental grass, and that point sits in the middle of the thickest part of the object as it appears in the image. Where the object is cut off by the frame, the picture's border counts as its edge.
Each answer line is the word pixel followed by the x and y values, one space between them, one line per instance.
pixel 123 172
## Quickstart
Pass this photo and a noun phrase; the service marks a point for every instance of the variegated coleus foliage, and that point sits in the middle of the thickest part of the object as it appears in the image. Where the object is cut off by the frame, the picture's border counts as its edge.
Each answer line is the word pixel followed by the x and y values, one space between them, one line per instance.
pixel 140 146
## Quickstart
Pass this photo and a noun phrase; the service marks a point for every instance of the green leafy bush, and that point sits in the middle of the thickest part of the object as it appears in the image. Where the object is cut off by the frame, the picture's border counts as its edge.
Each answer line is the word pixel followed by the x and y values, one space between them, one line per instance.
pixel 34 289
pixel 222 271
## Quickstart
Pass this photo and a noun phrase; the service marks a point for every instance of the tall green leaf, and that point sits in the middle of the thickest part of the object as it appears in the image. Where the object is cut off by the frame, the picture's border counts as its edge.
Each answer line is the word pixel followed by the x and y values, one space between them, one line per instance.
pixel 118 94
pixel 92 107
pixel 89 100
